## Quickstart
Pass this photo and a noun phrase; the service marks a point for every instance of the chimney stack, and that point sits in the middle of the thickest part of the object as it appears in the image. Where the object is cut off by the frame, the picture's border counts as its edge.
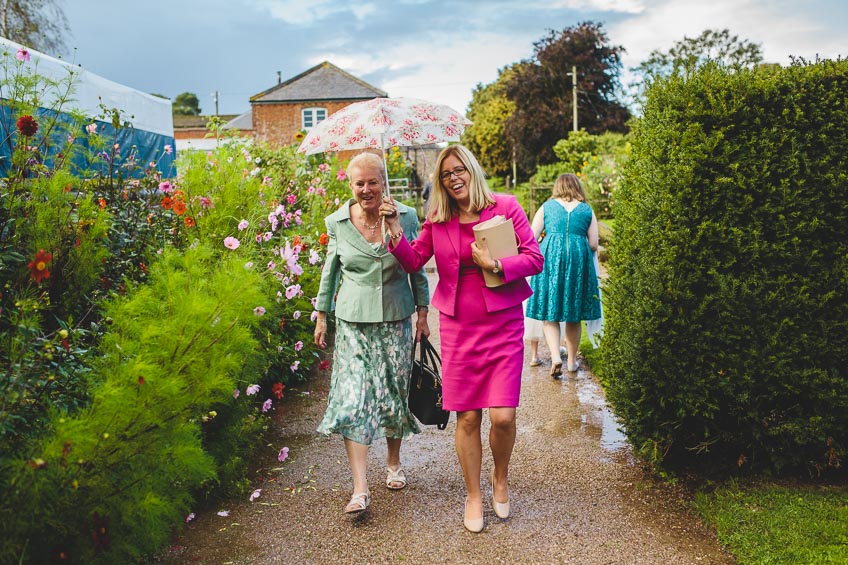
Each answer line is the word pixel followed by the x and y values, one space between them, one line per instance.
pixel 279 77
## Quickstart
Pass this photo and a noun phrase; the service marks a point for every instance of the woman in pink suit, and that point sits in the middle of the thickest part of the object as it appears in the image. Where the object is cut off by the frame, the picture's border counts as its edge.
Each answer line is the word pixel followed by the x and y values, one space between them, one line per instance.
pixel 481 328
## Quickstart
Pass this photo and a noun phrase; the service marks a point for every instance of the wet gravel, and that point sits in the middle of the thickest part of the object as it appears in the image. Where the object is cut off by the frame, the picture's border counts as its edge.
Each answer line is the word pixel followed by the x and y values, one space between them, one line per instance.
pixel 576 492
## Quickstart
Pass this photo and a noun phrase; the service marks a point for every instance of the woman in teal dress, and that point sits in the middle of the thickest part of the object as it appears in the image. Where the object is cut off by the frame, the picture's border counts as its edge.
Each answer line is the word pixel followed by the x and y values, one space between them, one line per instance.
pixel 374 300
pixel 567 288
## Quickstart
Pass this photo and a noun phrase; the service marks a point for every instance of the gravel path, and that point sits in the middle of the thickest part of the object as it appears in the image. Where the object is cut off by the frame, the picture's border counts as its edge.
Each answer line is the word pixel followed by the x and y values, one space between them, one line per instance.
pixel 577 494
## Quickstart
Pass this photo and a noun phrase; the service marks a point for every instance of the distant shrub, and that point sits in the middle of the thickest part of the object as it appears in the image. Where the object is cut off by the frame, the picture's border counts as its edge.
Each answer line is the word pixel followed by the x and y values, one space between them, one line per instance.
pixel 726 343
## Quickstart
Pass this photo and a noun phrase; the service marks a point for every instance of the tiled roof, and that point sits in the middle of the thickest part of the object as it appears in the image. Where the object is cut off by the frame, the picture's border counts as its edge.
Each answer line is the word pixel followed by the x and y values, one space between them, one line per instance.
pixel 197 122
pixel 322 82
pixel 242 121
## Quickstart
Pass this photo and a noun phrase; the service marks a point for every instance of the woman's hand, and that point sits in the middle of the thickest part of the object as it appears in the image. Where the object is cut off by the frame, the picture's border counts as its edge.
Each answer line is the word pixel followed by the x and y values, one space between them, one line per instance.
pixel 422 327
pixel 321 330
pixel 389 211
pixel 481 257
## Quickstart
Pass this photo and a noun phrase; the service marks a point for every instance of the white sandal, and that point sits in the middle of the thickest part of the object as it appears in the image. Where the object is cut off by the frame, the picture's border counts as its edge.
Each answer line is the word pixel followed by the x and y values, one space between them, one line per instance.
pixel 358 503
pixel 395 477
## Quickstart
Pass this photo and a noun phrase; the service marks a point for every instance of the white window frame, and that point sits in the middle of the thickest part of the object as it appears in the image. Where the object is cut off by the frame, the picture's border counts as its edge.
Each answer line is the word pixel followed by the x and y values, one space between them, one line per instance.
pixel 310 117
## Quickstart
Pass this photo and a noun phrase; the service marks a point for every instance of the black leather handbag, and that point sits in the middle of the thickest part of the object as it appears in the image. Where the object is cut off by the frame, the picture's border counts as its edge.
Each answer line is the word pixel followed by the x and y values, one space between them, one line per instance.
pixel 425 386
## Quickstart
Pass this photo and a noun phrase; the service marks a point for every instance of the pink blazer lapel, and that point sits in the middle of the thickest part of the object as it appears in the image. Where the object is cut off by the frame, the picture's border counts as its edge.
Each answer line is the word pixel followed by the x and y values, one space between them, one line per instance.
pixel 452 229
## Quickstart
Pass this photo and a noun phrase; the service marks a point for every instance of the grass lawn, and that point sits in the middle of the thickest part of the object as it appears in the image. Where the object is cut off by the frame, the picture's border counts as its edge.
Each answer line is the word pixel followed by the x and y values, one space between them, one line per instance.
pixel 772 523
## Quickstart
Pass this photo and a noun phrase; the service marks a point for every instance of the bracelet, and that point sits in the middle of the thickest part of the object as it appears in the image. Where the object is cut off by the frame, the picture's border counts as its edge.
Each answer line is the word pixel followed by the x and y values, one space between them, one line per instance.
pixel 396 236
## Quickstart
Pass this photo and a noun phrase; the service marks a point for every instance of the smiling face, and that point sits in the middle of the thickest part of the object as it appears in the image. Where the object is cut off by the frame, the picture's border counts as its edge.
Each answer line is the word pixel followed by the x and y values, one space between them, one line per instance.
pixel 366 182
pixel 455 177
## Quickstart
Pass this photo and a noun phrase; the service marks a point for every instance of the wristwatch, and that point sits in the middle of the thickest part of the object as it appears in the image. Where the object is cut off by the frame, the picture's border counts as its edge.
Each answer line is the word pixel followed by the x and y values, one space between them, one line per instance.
pixel 496 270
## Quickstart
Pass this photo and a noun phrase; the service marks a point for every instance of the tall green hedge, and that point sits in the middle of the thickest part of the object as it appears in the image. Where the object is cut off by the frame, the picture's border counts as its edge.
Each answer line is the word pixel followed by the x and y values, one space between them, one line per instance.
pixel 726 343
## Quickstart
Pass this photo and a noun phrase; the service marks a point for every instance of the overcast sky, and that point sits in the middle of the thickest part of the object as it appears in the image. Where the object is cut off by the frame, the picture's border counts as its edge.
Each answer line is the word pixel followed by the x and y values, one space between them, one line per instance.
pixel 432 49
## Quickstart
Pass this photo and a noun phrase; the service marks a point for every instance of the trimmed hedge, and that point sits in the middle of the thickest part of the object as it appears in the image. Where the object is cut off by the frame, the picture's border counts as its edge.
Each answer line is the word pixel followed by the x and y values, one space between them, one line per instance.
pixel 726 342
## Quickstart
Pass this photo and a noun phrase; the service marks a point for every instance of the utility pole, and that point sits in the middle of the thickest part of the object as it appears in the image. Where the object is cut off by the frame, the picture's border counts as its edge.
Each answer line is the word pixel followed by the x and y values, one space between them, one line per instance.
pixel 215 98
pixel 573 74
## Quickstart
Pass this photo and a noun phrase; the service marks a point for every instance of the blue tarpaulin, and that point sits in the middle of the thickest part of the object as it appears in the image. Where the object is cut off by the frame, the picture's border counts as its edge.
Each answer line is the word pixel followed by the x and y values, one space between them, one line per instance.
pixel 150 117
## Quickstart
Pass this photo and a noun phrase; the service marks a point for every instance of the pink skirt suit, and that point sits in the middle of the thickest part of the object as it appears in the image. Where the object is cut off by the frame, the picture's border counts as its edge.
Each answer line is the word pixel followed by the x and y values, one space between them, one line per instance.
pixel 481 328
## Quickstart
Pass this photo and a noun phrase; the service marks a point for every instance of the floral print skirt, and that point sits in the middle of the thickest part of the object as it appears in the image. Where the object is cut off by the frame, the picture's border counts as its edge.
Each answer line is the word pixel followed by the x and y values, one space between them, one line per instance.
pixel 370 382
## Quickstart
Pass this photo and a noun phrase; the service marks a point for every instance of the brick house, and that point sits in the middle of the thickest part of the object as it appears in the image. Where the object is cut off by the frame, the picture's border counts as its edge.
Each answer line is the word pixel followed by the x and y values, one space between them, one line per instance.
pixel 299 103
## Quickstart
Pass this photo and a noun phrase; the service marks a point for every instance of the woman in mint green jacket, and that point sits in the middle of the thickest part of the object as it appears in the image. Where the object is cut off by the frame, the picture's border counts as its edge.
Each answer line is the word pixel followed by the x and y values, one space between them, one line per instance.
pixel 373 300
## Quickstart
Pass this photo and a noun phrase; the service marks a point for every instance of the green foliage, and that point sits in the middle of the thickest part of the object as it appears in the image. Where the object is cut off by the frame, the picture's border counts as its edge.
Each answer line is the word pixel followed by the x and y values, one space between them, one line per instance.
pixel 488 111
pixel 540 89
pixel 690 52
pixel 779 524
pixel 598 160
pixel 131 460
pixel 397 165
pixel 146 324
pixel 186 104
pixel 726 341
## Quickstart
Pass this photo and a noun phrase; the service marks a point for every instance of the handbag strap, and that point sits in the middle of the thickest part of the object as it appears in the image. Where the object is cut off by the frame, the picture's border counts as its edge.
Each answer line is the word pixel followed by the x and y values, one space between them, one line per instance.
pixel 428 356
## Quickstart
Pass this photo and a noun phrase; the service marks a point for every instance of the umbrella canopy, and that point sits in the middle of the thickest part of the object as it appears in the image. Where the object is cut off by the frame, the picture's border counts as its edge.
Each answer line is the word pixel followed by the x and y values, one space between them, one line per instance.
pixel 381 123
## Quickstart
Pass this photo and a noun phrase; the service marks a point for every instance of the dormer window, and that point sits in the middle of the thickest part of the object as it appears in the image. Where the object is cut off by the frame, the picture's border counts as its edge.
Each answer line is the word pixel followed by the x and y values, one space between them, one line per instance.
pixel 310 117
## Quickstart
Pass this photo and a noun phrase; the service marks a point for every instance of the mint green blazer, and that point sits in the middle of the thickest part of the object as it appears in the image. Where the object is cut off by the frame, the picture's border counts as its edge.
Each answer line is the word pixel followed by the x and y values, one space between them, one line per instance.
pixel 367 285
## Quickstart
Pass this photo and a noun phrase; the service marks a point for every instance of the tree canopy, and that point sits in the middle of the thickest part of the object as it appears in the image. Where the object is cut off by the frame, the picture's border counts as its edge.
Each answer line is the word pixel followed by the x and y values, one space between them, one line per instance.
pixel 186 104
pixel 38 24
pixel 691 52
pixel 488 110
pixel 541 89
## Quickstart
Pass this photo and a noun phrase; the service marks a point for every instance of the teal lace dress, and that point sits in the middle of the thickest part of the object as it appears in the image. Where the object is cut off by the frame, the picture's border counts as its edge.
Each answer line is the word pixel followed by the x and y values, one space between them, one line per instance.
pixel 567 288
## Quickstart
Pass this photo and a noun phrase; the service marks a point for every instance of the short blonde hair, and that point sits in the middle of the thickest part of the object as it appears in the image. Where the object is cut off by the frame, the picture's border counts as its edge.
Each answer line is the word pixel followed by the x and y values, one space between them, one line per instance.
pixel 366 158
pixel 569 187
pixel 442 207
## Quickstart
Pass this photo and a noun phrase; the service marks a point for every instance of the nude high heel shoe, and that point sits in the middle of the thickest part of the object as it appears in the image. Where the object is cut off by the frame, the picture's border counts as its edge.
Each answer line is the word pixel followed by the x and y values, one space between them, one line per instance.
pixel 473 525
pixel 501 508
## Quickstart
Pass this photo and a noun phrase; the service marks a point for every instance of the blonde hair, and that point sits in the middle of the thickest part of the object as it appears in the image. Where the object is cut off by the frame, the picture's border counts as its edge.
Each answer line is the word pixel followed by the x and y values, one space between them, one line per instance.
pixel 568 186
pixel 442 207
pixel 366 158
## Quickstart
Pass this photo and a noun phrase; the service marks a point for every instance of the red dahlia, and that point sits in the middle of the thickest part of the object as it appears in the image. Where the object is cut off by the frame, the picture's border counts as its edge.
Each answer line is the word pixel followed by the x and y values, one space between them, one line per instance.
pixel 38 266
pixel 27 126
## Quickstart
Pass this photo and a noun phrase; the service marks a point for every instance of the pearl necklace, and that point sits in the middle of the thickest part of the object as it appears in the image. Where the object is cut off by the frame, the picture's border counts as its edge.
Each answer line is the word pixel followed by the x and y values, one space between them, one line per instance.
pixel 371 228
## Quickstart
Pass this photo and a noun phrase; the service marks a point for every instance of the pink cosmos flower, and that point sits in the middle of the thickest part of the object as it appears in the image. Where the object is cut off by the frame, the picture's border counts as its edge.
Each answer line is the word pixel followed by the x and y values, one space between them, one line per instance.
pixel 323 167
pixel 231 243
pixel 259 311
pixel 266 405
pixel 168 149
pixel 236 393
pixel 224 513
pixel 289 255
pixel 341 175
pixel 190 517
pixel 242 225
pixel 283 454
pixel 165 187
pixel 252 389
pixel 314 315
pixel 291 198
pixel 298 346
pixel 255 494
pixel 295 366
pixel 267 236
pixel 292 291
pixel 22 55
pixel 313 257
pixel 71 138
pixel 296 314
pixel 92 129
pixel 313 301
pixel 266 181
